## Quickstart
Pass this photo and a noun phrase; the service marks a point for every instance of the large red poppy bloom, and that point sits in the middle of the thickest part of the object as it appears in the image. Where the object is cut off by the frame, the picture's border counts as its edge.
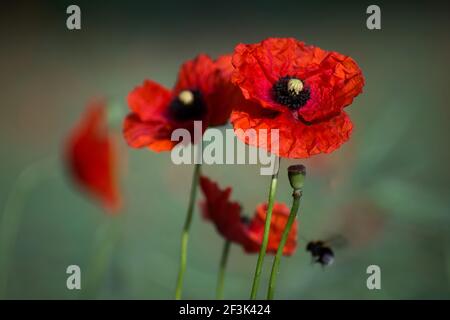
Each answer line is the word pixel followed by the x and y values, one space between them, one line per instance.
pixel 92 158
pixel 203 92
pixel 226 216
pixel 300 90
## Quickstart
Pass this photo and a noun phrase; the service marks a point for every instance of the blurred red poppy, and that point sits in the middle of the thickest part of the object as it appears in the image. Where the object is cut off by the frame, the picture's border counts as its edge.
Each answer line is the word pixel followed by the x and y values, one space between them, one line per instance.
pixel 226 216
pixel 92 158
pixel 203 92
pixel 300 90
pixel 280 215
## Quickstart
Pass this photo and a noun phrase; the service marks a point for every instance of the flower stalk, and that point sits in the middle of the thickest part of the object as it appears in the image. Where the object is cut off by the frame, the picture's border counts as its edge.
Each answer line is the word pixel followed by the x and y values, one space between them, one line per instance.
pixel 262 251
pixel 222 268
pixel 185 232
pixel 296 178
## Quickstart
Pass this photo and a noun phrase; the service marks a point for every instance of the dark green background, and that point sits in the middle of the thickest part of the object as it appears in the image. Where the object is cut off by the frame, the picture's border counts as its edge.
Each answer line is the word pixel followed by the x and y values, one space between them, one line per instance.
pixel 387 190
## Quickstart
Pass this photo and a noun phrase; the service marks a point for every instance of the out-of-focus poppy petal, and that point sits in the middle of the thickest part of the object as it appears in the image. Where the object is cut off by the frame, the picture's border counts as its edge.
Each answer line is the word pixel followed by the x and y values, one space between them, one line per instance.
pixel 197 74
pixel 221 100
pixel 149 101
pixel 222 212
pixel 226 216
pixel 280 215
pixel 224 65
pixel 154 135
pixel 92 157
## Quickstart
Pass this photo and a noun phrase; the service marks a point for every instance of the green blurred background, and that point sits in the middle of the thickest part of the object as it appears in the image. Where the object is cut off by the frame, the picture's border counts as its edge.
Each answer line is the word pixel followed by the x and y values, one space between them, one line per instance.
pixel 386 190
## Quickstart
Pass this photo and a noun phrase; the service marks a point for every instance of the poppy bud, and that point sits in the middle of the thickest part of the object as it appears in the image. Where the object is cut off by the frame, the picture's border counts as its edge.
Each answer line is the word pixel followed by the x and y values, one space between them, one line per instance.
pixel 296 174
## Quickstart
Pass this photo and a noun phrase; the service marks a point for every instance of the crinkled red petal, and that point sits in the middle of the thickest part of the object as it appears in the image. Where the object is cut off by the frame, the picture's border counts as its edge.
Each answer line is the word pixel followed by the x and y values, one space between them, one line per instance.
pixel 296 139
pixel 333 79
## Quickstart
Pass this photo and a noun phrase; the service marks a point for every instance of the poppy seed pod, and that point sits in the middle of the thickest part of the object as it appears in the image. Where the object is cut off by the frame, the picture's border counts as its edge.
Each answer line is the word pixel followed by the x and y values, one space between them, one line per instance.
pixel 296 174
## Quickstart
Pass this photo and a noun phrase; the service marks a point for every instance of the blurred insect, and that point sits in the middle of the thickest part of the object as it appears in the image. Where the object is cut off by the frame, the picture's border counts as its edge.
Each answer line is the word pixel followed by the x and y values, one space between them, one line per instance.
pixel 321 250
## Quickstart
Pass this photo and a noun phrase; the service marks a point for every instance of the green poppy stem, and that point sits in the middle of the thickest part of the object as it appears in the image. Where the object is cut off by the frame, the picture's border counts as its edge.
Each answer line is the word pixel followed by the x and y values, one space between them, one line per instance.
pixel 276 262
pixel 185 232
pixel 262 251
pixel 223 265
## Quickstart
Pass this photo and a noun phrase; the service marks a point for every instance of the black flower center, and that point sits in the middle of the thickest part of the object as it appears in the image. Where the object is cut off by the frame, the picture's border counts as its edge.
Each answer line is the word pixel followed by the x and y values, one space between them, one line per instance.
pixel 291 92
pixel 188 105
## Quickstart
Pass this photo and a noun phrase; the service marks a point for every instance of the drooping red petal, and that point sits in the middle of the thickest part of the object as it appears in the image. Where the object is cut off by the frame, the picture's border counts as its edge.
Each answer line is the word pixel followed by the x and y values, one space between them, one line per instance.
pixel 280 215
pixel 92 157
pixel 222 212
pixel 226 216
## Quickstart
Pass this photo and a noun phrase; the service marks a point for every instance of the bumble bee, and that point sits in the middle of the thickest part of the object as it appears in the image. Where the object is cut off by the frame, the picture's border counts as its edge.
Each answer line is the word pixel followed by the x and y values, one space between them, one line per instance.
pixel 321 251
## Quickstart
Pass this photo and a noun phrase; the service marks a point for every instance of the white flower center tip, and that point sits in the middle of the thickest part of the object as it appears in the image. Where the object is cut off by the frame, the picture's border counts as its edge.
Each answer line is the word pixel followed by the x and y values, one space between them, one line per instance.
pixel 295 86
pixel 186 97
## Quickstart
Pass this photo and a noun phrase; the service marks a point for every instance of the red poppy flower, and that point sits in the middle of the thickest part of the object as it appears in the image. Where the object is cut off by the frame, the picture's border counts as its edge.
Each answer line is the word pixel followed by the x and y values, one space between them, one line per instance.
pixel 226 216
pixel 91 157
pixel 300 90
pixel 203 92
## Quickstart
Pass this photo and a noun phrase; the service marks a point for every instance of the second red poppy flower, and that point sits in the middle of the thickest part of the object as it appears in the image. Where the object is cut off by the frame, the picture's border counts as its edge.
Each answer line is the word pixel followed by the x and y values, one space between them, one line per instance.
pixel 203 92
